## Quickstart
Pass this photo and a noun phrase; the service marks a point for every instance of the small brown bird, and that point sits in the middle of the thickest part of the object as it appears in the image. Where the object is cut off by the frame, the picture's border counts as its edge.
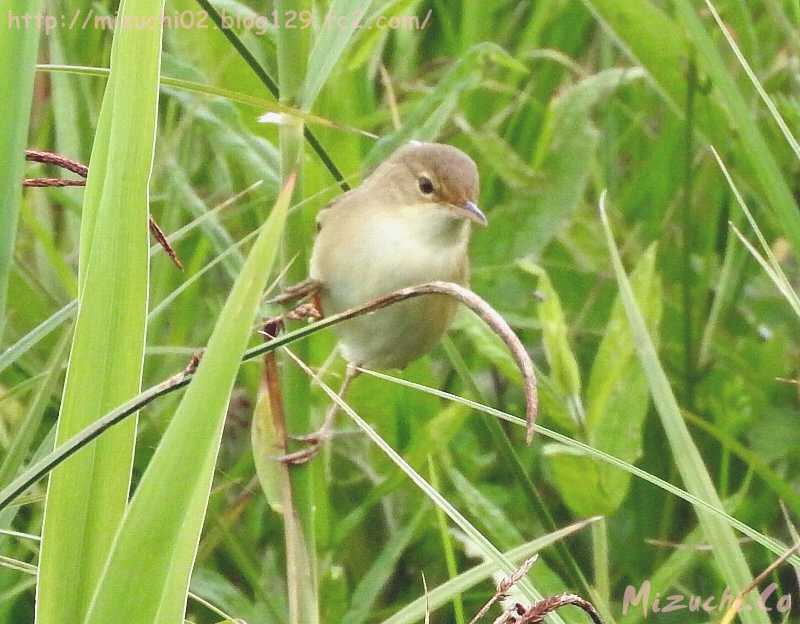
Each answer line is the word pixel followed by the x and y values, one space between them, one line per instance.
pixel 408 223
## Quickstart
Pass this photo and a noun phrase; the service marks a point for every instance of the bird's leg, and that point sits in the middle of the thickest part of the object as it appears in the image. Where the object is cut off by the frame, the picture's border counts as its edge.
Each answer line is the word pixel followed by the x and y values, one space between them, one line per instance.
pixel 315 440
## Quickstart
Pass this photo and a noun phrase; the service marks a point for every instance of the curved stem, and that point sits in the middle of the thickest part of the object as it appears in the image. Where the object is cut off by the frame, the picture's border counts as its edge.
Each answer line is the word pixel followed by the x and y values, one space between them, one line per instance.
pixel 475 303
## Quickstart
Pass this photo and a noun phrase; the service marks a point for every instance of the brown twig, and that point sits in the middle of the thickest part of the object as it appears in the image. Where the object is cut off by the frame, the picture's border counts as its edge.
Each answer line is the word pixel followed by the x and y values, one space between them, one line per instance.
pixel 518 614
pixel 737 603
pixel 161 239
pixel 82 170
pixel 58 160
pixel 479 306
pixel 537 613
pixel 51 182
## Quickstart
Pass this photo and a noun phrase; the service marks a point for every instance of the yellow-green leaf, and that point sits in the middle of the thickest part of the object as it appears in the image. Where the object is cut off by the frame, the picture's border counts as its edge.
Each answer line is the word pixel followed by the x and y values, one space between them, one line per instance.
pixel 88 494
pixel 166 514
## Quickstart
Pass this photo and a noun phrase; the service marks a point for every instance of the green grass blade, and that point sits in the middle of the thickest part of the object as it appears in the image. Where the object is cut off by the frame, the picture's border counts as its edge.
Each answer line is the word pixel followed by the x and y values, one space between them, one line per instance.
pixel 369 588
pixel 487 549
pixel 18 46
pixel 29 340
pixel 768 261
pixel 727 552
pixel 167 511
pixel 88 495
pixel 26 431
pixel 757 464
pixel 770 104
pixel 656 41
pixel 441 595
pixel 330 45
pixel 769 543
pixel 211 91
pixel 755 148
pixel 442 100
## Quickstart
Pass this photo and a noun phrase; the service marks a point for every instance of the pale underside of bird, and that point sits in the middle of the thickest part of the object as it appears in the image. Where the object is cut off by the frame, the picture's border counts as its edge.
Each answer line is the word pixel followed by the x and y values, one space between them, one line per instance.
pixel 389 233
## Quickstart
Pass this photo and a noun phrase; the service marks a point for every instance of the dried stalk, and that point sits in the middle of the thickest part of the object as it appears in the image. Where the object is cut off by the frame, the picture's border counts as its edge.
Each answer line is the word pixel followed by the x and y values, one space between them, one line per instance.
pixel 504 587
pixel 537 613
pixel 82 170
pixel 738 602
pixel 518 614
pixel 181 379
pixel 488 315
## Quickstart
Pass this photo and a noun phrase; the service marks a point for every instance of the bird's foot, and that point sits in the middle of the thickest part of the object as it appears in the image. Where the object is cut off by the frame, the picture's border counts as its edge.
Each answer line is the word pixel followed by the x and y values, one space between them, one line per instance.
pixel 305 311
pixel 302 290
pixel 313 445
pixel 273 326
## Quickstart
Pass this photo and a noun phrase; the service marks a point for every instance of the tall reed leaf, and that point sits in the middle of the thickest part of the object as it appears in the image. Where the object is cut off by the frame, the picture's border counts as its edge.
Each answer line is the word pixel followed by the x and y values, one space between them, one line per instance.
pixel 651 37
pixel 166 514
pixel 88 494
pixel 337 28
pixel 18 46
pixel 756 152
pixel 719 534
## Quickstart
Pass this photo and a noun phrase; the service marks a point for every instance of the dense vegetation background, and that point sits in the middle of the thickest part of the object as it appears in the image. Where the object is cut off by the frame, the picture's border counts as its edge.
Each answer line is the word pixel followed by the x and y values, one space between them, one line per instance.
pixel 557 101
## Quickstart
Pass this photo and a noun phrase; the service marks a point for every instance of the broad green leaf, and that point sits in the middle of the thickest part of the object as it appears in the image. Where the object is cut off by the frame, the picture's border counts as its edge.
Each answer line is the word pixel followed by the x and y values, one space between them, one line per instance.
pixel 505 162
pixel 262 437
pixel 728 554
pixel 617 401
pixel 88 494
pixel 564 368
pixel 562 161
pixel 18 47
pixel 166 514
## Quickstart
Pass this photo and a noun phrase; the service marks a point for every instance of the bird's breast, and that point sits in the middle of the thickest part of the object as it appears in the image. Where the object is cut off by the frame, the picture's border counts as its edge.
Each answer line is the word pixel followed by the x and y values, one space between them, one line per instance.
pixel 362 259
pixel 370 256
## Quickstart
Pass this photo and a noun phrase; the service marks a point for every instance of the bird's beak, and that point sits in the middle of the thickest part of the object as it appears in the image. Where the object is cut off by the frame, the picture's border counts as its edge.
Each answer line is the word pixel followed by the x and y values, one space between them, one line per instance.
pixel 469 210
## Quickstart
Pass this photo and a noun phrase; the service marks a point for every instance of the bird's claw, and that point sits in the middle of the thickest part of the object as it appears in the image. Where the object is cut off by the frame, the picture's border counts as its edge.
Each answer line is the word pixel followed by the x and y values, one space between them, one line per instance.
pixel 314 443
pixel 305 311
pixel 318 437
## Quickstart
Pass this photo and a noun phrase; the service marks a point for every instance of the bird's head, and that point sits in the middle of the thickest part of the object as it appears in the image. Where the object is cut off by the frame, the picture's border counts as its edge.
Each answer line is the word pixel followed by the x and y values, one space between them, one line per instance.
pixel 439 175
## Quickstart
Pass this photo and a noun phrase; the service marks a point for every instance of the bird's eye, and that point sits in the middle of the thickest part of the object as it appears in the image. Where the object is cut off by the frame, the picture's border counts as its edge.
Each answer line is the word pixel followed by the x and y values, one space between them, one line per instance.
pixel 425 185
